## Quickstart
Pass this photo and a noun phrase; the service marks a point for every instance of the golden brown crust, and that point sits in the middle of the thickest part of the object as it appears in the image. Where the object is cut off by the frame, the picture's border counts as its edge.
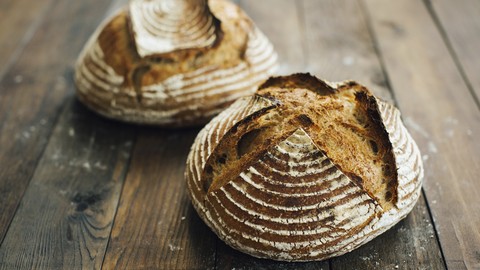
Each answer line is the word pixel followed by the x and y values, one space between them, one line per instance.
pixel 182 87
pixel 266 128
pixel 299 80
pixel 310 175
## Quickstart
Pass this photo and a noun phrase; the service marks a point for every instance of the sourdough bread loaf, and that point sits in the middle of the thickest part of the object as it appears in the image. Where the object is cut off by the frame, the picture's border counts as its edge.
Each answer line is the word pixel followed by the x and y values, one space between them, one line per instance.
pixel 172 62
pixel 304 169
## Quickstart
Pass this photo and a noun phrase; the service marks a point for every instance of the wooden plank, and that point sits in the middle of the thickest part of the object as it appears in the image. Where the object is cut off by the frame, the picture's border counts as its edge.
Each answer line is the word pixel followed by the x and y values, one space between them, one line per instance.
pixel 341 47
pixel 442 116
pixel 288 38
pixel 29 107
pixel 19 19
pixel 460 22
pixel 115 6
pixel 65 217
pixel 156 226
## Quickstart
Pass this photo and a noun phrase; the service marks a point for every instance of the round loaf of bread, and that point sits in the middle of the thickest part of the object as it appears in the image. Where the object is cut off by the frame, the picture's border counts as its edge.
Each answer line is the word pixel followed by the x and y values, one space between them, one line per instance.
pixel 172 62
pixel 304 169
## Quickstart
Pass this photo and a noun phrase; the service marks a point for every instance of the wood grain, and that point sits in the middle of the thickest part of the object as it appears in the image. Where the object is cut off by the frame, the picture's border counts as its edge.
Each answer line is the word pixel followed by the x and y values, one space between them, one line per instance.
pixel 442 116
pixel 287 37
pixel 19 20
pixel 156 227
pixel 459 21
pixel 341 47
pixel 29 107
pixel 65 217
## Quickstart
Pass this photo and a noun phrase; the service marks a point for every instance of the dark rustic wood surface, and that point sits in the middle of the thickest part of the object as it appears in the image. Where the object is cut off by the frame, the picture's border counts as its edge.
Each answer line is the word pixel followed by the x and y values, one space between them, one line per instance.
pixel 79 191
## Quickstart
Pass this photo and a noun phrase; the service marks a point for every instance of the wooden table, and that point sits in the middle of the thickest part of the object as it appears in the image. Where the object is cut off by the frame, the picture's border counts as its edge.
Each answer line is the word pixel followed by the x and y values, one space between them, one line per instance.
pixel 80 191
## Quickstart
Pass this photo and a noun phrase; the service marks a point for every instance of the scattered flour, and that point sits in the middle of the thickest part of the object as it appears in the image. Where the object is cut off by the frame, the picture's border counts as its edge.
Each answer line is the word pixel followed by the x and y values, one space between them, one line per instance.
pixel 348 60
pixel 451 120
pixel 18 79
pixel 87 166
pixel 432 148
pixel 174 248
pixel 100 166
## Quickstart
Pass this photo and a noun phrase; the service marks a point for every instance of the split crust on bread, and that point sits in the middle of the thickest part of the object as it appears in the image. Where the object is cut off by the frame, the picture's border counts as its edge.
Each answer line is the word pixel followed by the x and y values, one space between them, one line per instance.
pixel 304 169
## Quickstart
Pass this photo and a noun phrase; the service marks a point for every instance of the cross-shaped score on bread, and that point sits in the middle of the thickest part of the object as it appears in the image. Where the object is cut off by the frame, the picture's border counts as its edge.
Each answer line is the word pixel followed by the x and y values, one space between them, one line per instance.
pixel 304 169
pixel 344 124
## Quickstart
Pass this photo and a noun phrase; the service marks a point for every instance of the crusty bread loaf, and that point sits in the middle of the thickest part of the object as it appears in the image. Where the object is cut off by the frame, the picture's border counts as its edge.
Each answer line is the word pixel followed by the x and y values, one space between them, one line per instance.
pixel 172 62
pixel 304 169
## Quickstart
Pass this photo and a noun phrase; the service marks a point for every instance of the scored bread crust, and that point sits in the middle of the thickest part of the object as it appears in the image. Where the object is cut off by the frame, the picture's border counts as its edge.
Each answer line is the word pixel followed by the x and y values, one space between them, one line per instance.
pixel 172 62
pixel 291 201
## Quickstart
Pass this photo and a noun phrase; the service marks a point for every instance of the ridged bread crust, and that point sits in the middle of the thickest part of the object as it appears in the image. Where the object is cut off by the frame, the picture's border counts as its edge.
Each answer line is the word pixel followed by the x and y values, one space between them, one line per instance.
pixel 292 202
pixel 172 62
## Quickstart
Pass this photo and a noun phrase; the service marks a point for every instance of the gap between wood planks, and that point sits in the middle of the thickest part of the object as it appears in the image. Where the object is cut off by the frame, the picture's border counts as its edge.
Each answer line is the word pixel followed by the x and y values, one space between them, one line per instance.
pixel 389 85
pixel 433 91
pixel 453 53
pixel 366 66
pixel 28 201
pixel 22 35
pixel 22 38
pixel 226 254
pixel 325 59
pixel 31 106
pixel 42 153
